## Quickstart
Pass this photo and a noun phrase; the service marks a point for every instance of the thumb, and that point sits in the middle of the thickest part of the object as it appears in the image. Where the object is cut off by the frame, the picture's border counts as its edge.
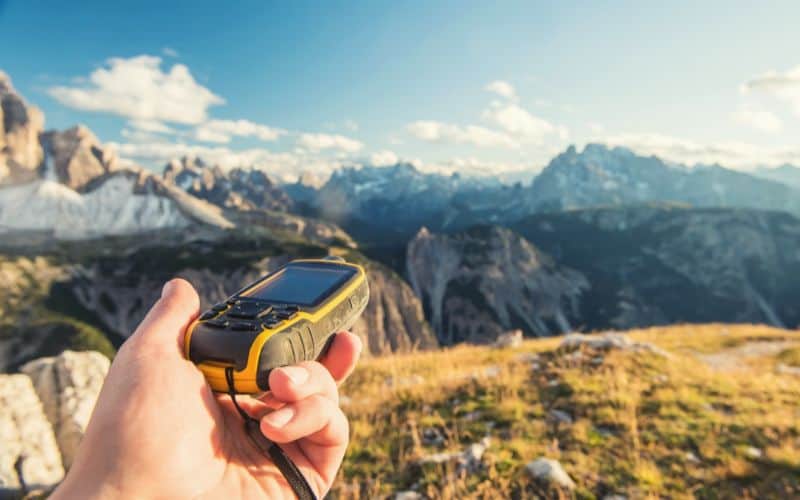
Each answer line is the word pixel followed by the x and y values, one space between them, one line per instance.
pixel 169 317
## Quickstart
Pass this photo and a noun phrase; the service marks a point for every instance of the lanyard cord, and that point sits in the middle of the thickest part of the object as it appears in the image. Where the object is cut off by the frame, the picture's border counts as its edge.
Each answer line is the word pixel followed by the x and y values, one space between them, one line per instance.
pixel 288 468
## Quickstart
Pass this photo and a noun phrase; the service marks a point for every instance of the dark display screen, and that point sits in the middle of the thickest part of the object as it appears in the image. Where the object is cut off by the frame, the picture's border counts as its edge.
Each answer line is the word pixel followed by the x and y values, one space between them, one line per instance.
pixel 301 285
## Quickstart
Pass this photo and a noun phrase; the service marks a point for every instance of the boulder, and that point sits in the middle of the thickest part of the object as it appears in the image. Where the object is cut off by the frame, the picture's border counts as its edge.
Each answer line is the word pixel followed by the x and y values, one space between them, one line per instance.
pixel 29 456
pixel 549 471
pixel 607 341
pixel 68 386
pixel 509 339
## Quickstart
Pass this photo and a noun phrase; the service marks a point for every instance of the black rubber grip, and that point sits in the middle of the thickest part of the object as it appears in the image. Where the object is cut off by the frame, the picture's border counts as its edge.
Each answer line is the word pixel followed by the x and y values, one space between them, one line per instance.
pixel 307 341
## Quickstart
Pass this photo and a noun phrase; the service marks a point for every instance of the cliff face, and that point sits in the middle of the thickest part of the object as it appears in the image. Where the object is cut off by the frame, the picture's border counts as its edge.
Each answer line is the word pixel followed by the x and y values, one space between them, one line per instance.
pixel 20 126
pixel 394 320
pixel 481 282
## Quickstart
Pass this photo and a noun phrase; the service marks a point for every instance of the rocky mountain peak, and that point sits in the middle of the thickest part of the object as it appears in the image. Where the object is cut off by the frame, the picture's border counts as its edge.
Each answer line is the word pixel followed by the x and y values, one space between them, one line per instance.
pixel 238 188
pixel 20 126
pixel 75 156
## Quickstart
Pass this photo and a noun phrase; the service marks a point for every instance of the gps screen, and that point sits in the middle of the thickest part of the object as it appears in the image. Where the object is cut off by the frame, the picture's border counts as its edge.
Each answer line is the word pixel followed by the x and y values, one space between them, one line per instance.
pixel 301 285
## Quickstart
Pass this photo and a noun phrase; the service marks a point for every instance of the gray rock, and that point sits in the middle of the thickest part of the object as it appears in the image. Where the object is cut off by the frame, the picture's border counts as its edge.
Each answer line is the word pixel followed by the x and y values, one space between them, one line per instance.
pixel 29 456
pixel 753 452
pixel 509 339
pixel 547 470
pixel 560 416
pixel 408 495
pixel 68 386
pixel 607 341
pixel 468 460
pixel 431 436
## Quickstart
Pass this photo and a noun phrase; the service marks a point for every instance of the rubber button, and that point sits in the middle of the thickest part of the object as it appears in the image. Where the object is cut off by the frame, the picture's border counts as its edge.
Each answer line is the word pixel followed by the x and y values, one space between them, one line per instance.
pixel 217 323
pixel 219 307
pixel 208 315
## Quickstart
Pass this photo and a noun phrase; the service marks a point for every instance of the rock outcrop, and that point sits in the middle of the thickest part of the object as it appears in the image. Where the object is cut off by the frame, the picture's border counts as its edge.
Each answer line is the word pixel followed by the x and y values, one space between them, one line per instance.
pixel 479 283
pixel 75 156
pixel 393 321
pixel 20 126
pixel 29 456
pixel 68 386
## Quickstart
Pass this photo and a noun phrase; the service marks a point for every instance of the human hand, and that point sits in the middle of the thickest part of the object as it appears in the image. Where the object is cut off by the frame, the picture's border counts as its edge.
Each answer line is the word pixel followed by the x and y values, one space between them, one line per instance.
pixel 158 431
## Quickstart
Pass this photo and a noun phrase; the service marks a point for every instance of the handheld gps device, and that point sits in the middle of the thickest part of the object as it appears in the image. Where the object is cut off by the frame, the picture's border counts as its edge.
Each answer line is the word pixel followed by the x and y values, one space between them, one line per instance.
pixel 283 318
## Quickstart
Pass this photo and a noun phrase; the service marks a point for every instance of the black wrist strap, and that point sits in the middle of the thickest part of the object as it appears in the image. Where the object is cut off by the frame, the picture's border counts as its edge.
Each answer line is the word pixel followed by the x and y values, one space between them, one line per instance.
pixel 282 461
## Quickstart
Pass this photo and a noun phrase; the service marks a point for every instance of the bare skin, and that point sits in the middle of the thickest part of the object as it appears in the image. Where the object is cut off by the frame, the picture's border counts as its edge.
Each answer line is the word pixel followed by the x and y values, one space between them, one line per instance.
pixel 158 431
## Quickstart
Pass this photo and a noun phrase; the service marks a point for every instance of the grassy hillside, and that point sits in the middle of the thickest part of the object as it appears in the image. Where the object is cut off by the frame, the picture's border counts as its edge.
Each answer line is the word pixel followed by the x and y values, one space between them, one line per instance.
pixel 708 411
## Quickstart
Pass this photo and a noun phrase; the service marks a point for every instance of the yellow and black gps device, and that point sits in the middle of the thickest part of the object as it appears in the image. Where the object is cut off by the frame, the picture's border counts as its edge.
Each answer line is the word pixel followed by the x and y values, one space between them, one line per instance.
pixel 283 318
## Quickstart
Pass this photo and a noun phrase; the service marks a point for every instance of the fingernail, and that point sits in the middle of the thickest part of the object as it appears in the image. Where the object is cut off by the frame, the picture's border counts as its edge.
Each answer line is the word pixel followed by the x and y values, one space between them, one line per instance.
pixel 168 286
pixel 296 374
pixel 279 418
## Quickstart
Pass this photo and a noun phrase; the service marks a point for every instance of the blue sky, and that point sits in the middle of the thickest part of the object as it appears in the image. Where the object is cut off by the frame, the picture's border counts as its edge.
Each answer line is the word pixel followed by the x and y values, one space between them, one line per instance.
pixel 471 86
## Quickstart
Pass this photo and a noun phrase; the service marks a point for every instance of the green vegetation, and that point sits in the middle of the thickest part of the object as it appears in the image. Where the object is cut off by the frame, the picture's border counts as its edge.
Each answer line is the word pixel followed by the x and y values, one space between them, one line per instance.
pixel 643 425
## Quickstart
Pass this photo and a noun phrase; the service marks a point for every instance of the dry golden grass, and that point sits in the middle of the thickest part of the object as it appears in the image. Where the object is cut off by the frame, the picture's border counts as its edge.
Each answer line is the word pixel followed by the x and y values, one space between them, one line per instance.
pixel 644 426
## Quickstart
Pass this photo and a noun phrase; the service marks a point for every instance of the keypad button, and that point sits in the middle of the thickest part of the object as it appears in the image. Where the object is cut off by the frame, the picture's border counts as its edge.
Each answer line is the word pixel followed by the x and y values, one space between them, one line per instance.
pixel 264 312
pixel 271 323
pixel 217 323
pixel 285 314
pixel 208 315
pixel 219 307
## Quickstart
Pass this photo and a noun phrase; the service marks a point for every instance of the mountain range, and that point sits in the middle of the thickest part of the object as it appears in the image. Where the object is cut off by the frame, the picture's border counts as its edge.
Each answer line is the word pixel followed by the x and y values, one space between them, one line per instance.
pixel 601 238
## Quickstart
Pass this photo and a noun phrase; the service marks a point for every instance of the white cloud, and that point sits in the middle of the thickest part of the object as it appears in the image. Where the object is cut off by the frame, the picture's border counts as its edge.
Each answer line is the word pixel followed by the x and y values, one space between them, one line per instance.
pixel 738 155
pixel 781 85
pixel 221 131
pixel 318 142
pixel 764 121
pixel 152 126
pixel 433 131
pixel 522 124
pixel 475 167
pixel 137 89
pixel 383 158
pixel 286 166
pixel 502 88
pixel 169 52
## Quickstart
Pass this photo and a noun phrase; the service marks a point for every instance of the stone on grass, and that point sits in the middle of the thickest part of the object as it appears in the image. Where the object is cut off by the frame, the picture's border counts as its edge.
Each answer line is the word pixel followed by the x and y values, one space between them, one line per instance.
pixel 408 495
pixel 509 339
pixel 549 471
pixel 560 416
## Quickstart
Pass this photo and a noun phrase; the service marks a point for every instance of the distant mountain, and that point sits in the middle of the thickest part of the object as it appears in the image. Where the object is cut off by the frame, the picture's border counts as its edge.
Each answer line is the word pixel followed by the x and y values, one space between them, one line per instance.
pixel 238 188
pixel 651 265
pixel 597 269
pixel 122 202
pixel 785 174
pixel 602 176
pixel 380 204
